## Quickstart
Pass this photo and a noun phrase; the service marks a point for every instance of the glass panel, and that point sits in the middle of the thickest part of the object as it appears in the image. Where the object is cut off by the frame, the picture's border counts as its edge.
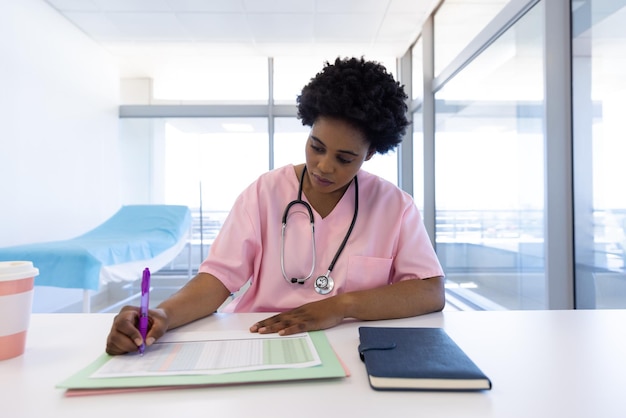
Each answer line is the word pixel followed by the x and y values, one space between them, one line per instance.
pixel 599 88
pixel 457 22
pixel 290 138
pixel 293 73
pixel 203 163
pixel 489 173
pixel 224 155
pixel 384 165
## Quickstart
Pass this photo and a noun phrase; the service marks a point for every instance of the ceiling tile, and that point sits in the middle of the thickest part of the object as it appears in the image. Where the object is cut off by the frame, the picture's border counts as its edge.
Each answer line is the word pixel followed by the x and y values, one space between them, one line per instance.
pixel 347 27
pixel 403 27
pixel 97 25
pixel 279 6
pixel 149 26
pixel 351 6
pixel 75 5
pixel 146 33
pixel 286 28
pixel 147 48
pixel 412 6
pixel 216 26
pixel 216 6
pixel 133 5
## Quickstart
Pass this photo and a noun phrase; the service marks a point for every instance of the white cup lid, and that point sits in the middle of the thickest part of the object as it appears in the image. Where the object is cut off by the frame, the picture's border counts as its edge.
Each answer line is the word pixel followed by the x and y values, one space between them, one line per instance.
pixel 13 270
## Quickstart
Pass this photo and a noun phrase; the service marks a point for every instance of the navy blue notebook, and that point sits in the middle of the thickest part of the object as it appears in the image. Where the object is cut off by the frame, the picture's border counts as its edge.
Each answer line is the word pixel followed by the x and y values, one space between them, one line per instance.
pixel 417 359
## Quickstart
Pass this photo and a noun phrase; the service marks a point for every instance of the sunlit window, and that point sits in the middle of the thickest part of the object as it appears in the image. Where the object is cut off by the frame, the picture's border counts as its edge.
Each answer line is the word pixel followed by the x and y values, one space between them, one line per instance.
pixel 599 88
pixel 457 22
pixel 217 157
pixel 489 172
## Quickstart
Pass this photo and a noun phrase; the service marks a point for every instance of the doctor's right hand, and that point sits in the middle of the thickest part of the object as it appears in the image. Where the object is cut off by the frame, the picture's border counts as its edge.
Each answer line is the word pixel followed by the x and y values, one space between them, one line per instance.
pixel 125 337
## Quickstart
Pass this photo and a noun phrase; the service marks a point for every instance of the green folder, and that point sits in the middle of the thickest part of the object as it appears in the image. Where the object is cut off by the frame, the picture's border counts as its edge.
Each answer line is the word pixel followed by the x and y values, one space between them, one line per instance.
pixel 331 367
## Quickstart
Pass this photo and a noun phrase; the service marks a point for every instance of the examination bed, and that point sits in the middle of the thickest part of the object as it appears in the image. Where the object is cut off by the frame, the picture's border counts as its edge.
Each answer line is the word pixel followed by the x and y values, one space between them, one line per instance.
pixel 135 237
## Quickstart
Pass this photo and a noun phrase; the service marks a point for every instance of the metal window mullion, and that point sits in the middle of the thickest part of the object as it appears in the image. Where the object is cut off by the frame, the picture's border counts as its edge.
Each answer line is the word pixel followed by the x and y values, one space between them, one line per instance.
pixel 405 150
pixel 558 230
pixel 270 111
pixel 507 17
pixel 193 111
pixel 428 115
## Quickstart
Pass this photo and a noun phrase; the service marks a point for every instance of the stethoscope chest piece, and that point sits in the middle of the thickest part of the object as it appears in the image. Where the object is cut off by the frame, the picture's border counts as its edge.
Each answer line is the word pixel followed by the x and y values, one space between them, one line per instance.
pixel 324 284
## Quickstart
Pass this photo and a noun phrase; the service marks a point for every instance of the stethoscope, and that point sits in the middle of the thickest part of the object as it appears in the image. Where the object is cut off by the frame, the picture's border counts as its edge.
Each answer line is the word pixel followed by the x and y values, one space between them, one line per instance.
pixel 324 284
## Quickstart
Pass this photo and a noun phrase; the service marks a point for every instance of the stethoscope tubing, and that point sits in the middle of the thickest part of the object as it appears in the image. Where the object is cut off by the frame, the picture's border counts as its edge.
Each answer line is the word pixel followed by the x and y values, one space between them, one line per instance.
pixel 282 241
pixel 326 279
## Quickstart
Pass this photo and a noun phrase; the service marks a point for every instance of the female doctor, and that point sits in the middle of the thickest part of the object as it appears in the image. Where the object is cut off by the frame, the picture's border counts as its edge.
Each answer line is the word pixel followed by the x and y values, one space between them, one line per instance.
pixel 320 241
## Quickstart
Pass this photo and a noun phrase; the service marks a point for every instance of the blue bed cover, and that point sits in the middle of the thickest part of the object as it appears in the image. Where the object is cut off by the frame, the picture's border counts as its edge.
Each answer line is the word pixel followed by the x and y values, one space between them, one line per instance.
pixel 135 232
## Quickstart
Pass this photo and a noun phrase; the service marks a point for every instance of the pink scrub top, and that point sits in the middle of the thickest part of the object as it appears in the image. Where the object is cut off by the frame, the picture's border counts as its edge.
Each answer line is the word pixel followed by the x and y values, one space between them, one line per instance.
pixel 388 243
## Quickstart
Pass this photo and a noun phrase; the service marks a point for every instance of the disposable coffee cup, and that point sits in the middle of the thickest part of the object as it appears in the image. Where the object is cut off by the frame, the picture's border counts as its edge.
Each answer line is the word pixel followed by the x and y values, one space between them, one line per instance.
pixel 16 300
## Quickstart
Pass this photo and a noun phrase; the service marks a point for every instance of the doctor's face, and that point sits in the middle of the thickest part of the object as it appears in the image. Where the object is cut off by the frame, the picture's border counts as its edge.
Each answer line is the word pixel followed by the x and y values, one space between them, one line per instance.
pixel 335 152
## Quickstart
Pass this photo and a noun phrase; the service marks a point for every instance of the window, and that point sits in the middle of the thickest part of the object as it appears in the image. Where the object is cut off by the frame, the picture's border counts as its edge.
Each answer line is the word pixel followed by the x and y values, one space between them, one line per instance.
pixel 599 88
pixel 290 137
pixel 293 73
pixel 203 163
pixel 457 22
pixel 218 157
pixel 489 173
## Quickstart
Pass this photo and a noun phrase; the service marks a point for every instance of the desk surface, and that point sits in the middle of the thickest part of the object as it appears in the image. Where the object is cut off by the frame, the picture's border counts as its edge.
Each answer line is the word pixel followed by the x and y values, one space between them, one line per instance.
pixel 541 363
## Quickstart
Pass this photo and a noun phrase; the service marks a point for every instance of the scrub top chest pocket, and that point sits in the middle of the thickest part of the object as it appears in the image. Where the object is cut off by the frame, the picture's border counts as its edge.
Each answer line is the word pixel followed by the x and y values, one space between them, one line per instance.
pixel 367 272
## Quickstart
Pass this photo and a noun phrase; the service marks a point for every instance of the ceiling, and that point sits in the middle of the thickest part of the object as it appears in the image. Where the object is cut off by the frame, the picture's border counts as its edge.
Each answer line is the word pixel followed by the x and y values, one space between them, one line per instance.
pixel 143 34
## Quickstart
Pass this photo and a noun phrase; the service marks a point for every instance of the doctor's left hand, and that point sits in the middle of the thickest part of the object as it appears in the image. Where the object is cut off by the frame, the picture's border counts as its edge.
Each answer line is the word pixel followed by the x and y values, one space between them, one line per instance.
pixel 312 316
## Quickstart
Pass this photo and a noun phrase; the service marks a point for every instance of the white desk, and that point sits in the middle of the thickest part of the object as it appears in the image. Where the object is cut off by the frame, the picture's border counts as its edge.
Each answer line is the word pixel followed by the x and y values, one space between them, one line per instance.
pixel 541 363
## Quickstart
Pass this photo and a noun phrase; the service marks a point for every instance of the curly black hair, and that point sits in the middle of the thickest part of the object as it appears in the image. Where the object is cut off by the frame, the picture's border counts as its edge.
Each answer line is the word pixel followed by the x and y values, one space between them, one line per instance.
pixel 362 93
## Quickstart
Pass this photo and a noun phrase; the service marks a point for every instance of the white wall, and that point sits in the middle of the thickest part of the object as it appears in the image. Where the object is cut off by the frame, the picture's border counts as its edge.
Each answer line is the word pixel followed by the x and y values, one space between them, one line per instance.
pixel 59 156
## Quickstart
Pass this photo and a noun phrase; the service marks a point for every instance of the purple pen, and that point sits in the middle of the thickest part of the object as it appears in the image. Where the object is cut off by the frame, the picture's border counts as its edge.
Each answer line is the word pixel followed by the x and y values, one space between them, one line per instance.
pixel 143 312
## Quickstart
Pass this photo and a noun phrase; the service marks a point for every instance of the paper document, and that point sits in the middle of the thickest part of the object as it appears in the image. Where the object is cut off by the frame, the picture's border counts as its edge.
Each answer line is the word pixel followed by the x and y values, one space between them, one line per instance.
pixel 200 353
pixel 134 375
